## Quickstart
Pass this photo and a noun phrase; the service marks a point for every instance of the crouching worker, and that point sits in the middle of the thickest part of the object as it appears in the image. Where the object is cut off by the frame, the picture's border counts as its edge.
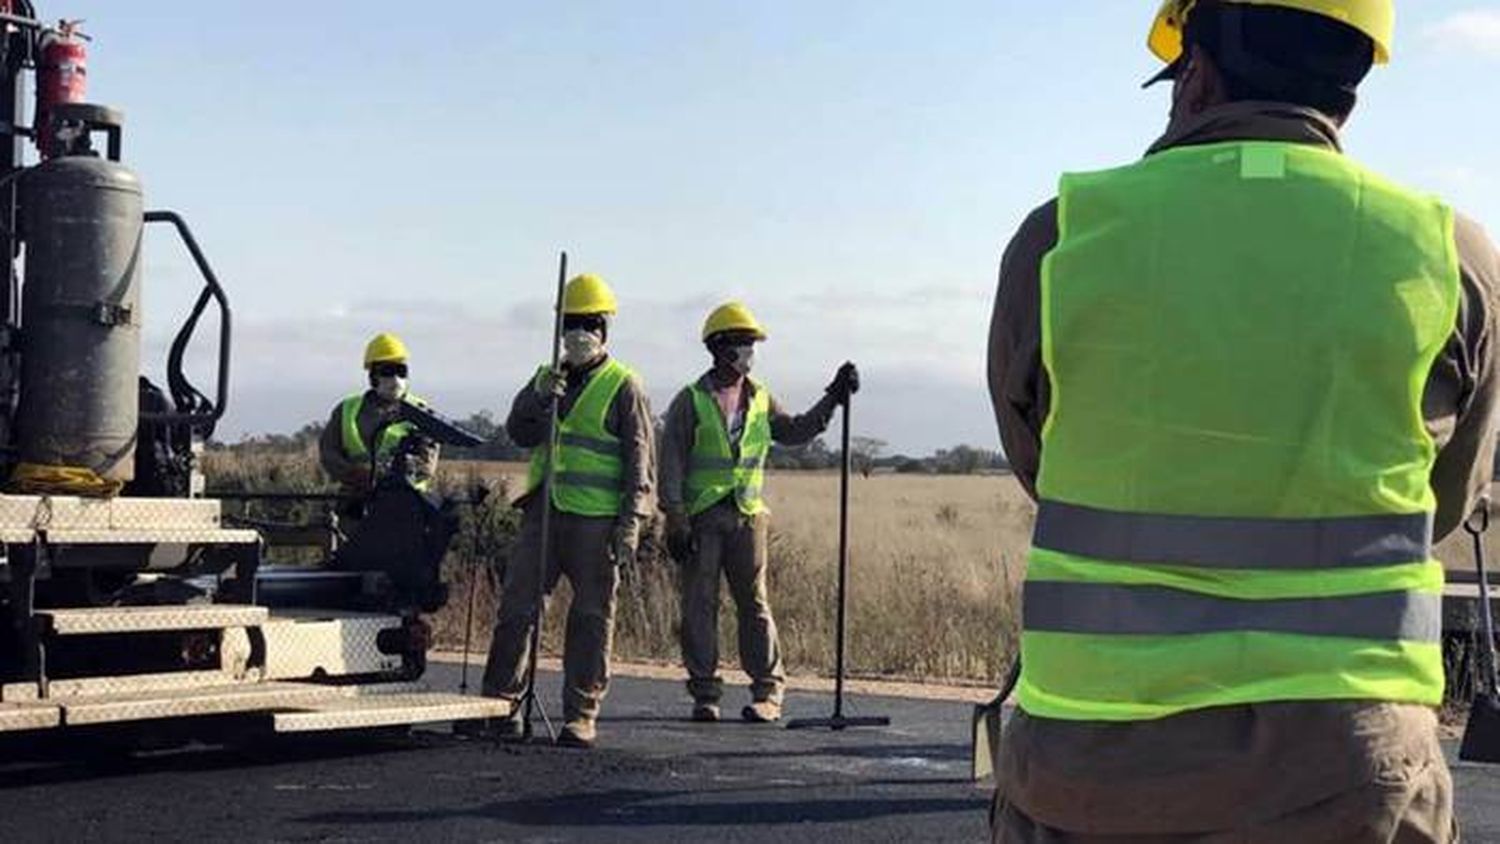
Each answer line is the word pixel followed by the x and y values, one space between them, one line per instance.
pixel 362 435
pixel 602 494
pixel 719 431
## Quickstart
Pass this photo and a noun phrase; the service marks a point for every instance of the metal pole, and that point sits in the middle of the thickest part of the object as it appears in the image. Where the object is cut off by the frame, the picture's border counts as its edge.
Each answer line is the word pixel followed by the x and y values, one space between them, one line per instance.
pixel 839 721
pixel 843 613
pixel 545 502
pixel 463 680
pixel 1486 613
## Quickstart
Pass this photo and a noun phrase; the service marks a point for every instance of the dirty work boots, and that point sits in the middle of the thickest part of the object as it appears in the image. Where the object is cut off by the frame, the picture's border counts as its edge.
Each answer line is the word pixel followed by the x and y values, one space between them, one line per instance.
pixel 762 712
pixel 579 733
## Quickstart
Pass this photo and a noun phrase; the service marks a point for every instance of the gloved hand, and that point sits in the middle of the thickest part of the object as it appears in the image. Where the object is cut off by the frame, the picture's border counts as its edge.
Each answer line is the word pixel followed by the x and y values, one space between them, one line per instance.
pixel 845 382
pixel 550 383
pixel 679 536
pixel 624 540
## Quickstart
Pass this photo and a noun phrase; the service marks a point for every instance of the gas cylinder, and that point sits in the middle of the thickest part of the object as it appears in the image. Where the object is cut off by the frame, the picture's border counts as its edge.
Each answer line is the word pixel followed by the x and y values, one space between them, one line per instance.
pixel 82 221
pixel 61 77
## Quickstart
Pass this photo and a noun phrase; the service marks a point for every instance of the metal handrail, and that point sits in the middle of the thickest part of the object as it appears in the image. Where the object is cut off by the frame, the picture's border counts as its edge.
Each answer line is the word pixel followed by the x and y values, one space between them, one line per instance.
pixel 211 290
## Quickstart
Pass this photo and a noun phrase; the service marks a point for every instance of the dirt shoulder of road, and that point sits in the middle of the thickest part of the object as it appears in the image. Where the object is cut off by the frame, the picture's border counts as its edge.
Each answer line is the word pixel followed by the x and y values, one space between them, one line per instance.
pixel 881 687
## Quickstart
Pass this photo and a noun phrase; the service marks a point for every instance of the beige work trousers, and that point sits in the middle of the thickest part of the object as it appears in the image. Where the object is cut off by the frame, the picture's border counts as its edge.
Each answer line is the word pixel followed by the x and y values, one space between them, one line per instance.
pixel 725 540
pixel 580 550
pixel 1309 772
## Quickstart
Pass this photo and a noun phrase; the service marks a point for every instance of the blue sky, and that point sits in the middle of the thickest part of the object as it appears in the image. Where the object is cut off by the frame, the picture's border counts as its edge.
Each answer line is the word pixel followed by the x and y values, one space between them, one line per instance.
pixel 852 170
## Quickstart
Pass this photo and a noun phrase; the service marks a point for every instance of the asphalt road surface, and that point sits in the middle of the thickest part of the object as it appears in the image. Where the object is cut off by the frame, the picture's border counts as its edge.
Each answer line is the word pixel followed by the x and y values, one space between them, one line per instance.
pixel 656 777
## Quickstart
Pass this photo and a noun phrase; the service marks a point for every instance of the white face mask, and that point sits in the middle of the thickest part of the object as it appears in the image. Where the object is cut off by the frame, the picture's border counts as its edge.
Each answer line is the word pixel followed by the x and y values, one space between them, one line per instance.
pixel 390 387
pixel 742 359
pixel 581 346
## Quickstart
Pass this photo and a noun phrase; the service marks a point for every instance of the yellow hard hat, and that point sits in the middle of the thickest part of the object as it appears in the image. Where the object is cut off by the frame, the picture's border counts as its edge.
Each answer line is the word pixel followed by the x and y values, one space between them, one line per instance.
pixel 385 348
pixel 1375 18
pixel 588 294
pixel 732 316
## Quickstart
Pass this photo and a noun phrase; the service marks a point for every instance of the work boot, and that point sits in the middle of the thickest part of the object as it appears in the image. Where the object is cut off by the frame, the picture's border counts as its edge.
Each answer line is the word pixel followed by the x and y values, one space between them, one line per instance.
pixel 705 713
pixel 580 733
pixel 762 712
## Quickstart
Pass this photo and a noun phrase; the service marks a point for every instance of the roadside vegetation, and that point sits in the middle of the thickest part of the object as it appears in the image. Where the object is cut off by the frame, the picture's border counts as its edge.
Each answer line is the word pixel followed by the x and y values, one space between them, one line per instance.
pixel 936 565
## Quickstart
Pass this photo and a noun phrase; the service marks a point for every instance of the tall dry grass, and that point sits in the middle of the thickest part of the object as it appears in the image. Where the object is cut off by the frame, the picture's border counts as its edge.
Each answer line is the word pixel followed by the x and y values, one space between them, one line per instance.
pixel 935 571
pixel 936 565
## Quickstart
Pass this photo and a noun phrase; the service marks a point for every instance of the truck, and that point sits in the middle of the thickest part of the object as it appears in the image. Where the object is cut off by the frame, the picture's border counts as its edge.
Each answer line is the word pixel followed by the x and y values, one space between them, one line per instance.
pixel 128 592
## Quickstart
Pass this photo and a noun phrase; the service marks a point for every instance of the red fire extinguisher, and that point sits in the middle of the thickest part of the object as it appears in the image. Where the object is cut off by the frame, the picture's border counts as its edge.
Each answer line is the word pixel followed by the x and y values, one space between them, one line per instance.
pixel 61 77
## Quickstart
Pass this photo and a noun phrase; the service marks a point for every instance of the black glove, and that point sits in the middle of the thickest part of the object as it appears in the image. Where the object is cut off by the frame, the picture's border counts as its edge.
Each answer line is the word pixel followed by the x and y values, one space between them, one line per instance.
pixel 845 382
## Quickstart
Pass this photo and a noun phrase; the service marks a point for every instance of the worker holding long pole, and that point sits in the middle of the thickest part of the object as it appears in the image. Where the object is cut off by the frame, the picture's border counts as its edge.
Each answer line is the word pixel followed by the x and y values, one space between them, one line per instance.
pixel 602 491
pixel 717 435
pixel 1247 379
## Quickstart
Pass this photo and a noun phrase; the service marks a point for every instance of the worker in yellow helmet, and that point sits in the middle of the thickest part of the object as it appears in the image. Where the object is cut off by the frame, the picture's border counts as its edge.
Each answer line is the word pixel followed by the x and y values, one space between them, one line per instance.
pixel 603 492
pixel 1248 380
pixel 361 436
pixel 718 433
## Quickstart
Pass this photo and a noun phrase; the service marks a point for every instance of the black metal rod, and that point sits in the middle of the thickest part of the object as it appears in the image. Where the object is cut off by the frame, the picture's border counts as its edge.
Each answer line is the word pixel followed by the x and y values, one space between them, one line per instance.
pixel 216 291
pixel 839 721
pixel 463 678
pixel 843 613
pixel 545 502
pixel 1486 613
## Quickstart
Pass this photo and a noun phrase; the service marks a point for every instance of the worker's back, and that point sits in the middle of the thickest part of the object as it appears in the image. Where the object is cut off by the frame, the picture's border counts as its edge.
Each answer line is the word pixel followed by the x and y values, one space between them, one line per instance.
pixel 1260 370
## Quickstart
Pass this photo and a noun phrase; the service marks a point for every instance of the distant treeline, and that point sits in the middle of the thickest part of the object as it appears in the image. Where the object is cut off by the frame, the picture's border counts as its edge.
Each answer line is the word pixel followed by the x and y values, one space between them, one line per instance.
pixel 868 454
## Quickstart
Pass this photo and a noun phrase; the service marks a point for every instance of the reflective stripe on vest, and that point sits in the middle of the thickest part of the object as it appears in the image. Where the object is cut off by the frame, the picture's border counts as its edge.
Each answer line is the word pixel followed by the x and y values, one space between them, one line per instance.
pixel 1235 472
pixel 714 473
pixel 589 476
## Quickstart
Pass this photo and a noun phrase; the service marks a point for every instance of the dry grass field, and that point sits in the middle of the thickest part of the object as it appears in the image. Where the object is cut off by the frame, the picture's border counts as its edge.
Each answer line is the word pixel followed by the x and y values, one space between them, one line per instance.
pixel 936 566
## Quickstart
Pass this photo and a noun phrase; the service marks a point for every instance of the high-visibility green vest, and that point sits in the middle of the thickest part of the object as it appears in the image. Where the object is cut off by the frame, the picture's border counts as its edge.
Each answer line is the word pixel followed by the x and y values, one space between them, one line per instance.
pixel 1235 499
pixel 589 476
pixel 714 473
pixel 355 447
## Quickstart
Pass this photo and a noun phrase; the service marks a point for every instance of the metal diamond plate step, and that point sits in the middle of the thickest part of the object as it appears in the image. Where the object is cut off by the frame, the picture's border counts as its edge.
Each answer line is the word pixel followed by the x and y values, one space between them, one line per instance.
pixel 96 620
pixel 92 521
pixel 186 702
pixel 28 716
pixel 385 710
pixel 126 684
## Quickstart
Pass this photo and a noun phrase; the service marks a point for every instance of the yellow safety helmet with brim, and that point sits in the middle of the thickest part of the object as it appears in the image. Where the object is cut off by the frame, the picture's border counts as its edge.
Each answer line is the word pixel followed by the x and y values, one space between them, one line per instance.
pixel 1374 18
pixel 385 348
pixel 733 316
pixel 587 295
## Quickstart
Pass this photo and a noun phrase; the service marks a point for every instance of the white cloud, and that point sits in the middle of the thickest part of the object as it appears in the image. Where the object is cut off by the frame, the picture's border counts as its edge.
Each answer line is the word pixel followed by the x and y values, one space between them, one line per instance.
pixel 921 348
pixel 1472 31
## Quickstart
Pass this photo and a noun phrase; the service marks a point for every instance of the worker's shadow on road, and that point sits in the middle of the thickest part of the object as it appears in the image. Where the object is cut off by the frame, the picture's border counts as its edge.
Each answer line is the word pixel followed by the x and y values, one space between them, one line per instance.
pixel 52 760
pixel 645 808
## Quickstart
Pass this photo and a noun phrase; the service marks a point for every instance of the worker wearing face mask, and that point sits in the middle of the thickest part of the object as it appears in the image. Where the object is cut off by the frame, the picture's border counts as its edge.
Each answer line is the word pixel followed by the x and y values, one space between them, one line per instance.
pixel 363 423
pixel 602 493
pixel 718 433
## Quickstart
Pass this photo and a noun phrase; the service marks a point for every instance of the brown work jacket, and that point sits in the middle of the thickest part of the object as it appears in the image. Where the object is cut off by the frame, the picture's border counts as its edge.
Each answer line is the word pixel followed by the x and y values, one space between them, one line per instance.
pixel 628 418
pixel 1219 768
pixel 681 426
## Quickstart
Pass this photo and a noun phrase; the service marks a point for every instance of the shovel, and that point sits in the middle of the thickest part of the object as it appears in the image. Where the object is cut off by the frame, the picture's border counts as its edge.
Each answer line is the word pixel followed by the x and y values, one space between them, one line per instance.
pixel 985 735
pixel 1482 735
